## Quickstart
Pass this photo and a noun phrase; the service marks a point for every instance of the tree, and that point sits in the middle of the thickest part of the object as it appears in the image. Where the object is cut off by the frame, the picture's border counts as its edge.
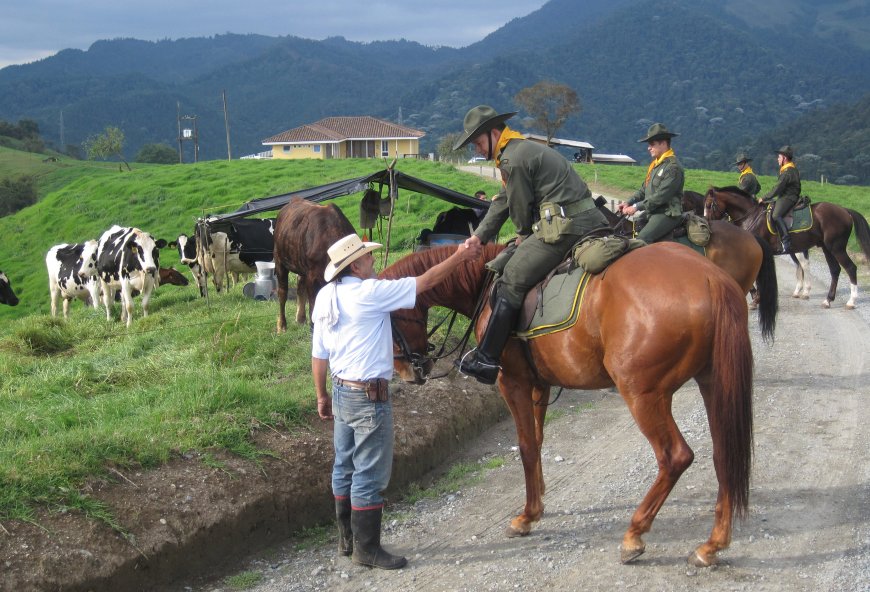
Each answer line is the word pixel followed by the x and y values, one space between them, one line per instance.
pixel 106 145
pixel 549 104
pixel 16 194
pixel 445 148
pixel 157 154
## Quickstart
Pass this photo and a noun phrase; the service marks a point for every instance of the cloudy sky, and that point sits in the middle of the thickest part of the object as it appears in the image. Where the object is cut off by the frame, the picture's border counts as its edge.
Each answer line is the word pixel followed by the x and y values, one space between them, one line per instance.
pixel 34 29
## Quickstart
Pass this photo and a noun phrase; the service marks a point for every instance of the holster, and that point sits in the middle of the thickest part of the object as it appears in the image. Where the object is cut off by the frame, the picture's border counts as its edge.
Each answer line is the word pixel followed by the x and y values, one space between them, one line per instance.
pixel 378 390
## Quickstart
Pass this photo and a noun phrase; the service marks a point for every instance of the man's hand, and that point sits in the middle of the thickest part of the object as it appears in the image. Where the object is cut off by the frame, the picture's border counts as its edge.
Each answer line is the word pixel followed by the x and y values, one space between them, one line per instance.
pixel 629 210
pixel 324 407
pixel 470 249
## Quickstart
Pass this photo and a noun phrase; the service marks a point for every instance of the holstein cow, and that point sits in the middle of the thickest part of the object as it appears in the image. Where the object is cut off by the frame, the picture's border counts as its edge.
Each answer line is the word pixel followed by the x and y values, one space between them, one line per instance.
pixel 72 273
pixel 303 233
pixel 7 296
pixel 233 247
pixel 127 259
pixel 188 254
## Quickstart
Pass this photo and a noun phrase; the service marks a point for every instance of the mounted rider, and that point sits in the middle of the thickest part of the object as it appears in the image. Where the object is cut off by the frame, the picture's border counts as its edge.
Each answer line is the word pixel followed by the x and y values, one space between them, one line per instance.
pixel 785 194
pixel 748 182
pixel 661 194
pixel 551 207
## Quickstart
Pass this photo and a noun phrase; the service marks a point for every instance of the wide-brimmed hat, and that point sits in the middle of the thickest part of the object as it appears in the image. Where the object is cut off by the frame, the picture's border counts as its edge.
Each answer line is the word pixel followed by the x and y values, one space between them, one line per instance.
pixel 478 120
pixel 657 131
pixel 344 252
pixel 741 157
pixel 786 151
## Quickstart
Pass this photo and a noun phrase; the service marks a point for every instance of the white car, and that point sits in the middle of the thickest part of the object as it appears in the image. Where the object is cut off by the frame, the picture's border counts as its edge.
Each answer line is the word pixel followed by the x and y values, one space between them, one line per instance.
pixel 476 159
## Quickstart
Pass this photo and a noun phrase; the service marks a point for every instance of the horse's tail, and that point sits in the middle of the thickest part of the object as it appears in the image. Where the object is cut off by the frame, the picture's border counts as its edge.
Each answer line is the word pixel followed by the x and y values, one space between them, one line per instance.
pixel 731 407
pixel 768 291
pixel 862 231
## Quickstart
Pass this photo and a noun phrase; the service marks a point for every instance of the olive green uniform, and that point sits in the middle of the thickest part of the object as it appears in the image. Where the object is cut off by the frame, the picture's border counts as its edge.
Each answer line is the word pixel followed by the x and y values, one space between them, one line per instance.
pixel 661 198
pixel 533 174
pixel 749 183
pixel 787 191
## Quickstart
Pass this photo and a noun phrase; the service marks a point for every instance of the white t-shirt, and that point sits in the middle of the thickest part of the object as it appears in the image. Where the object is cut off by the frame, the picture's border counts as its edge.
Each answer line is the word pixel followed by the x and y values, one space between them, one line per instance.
pixel 360 345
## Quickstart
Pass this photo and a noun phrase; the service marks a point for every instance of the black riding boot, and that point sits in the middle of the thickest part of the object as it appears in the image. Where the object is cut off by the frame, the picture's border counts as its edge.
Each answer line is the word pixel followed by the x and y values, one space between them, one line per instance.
pixel 482 363
pixel 345 534
pixel 367 550
pixel 782 228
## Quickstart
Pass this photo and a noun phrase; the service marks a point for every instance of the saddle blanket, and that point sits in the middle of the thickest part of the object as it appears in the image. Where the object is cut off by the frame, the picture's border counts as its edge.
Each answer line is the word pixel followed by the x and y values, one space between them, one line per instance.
pixel 797 220
pixel 558 307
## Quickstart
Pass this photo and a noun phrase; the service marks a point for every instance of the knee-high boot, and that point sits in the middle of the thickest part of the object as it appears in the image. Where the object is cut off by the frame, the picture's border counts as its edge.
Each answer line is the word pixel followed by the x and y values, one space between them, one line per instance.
pixel 345 534
pixel 367 550
pixel 782 228
pixel 483 362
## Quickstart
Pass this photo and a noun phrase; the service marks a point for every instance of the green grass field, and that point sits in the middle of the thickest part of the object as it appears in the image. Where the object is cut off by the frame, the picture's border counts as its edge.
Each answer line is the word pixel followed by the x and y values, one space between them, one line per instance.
pixel 80 397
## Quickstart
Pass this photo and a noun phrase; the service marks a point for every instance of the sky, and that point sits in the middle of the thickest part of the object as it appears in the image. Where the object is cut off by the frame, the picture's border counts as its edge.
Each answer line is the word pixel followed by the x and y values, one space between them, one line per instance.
pixel 34 29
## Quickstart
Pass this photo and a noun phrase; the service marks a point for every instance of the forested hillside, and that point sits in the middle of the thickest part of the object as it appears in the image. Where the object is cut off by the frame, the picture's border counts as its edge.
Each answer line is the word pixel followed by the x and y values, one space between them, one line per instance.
pixel 725 75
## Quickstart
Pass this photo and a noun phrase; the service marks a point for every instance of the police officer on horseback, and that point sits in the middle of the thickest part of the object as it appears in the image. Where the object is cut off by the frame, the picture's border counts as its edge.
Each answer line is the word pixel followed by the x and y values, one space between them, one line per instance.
pixel 661 194
pixel 551 207
pixel 785 194
pixel 748 182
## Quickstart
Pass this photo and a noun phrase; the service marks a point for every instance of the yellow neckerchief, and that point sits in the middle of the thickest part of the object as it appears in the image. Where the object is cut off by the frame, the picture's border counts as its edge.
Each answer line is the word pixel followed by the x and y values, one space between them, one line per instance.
pixel 788 165
pixel 657 162
pixel 748 171
pixel 507 134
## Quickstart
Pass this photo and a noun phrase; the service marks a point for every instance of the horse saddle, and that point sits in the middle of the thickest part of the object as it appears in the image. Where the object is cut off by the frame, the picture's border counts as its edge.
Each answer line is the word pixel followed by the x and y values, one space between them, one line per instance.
pixel 799 219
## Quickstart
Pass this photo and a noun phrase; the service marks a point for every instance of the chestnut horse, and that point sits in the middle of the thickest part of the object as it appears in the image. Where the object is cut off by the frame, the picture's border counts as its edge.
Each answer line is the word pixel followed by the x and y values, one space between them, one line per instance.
pixel 303 233
pixel 831 228
pixel 657 317
pixel 744 257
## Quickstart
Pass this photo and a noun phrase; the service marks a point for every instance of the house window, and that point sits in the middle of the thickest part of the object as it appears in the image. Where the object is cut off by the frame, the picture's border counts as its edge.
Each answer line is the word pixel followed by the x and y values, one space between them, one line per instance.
pixel 317 148
pixel 285 148
pixel 385 148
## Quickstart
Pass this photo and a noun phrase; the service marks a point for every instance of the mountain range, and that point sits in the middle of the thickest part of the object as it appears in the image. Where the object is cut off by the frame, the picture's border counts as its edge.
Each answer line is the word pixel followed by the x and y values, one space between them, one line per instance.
pixel 727 75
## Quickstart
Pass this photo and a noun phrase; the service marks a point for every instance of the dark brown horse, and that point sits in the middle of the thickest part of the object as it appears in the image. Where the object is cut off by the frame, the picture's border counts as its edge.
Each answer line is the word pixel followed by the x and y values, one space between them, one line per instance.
pixel 657 317
pixel 744 257
pixel 303 233
pixel 831 228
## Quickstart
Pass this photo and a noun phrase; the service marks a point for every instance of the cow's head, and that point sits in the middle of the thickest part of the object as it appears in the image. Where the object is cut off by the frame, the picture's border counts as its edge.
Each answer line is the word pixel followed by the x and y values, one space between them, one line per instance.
pixel 169 275
pixel 87 264
pixel 186 246
pixel 7 296
pixel 144 250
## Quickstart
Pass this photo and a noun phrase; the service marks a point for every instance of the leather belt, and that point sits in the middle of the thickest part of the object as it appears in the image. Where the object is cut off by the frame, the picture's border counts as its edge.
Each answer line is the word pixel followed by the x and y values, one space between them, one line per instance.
pixel 356 384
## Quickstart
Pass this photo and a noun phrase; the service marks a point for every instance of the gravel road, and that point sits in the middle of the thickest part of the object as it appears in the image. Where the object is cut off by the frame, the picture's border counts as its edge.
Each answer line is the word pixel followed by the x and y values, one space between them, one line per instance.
pixel 809 522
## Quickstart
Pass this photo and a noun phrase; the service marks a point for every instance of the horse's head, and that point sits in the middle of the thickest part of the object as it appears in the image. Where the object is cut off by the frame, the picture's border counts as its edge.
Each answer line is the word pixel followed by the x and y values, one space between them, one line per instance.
pixel 411 345
pixel 713 209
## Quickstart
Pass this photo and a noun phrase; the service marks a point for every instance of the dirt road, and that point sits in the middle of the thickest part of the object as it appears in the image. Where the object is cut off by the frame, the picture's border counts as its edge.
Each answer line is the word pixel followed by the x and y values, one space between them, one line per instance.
pixel 809 522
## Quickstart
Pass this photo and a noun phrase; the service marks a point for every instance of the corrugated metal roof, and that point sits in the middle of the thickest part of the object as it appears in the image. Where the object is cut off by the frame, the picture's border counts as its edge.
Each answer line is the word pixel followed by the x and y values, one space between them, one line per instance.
pixel 560 141
pixel 337 129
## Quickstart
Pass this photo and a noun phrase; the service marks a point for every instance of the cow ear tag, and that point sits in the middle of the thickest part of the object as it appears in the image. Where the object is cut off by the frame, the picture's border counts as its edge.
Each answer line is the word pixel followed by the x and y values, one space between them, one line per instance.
pixel 134 250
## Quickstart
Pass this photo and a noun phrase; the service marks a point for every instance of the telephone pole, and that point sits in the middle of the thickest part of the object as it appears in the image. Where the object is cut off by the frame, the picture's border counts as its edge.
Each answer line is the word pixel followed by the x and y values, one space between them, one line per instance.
pixel 227 124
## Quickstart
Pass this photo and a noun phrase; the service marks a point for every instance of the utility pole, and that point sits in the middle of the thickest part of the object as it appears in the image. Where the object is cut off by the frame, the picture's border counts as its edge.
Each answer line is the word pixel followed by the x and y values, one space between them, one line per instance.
pixel 62 142
pixel 227 124
pixel 187 134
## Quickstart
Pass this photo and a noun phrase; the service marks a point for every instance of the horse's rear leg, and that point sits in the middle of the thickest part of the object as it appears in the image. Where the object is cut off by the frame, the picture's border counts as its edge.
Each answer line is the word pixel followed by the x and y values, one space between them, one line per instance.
pixel 541 398
pixel 835 260
pixel 802 276
pixel 652 412
pixel 518 396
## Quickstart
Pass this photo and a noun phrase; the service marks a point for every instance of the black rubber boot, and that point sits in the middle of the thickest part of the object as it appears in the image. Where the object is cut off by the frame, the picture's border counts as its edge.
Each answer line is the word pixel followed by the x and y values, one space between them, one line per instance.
pixel 367 550
pixel 782 228
pixel 482 363
pixel 345 534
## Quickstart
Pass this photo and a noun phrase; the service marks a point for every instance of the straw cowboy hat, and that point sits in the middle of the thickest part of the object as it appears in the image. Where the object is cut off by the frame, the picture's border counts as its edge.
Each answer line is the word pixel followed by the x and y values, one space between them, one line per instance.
pixel 479 120
pixel 657 131
pixel 344 252
pixel 740 158
pixel 787 152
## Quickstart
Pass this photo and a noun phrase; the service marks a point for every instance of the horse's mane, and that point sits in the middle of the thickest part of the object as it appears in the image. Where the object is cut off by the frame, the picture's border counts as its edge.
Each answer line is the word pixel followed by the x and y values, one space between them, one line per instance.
pixel 467 275
pixel 735 190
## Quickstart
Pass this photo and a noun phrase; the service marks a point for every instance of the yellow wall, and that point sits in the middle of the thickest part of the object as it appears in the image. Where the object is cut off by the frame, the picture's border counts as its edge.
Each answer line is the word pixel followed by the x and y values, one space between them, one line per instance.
pixel 298 151
pixel 400 147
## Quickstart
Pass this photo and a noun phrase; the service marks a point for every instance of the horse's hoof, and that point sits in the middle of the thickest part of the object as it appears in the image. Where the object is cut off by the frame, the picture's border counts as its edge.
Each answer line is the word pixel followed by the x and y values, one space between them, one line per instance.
pixel 696 560
pixel 805 296
pixel 850 307
pixel 796 296
pixel 512 533
pixel 629 555
pixel 826 304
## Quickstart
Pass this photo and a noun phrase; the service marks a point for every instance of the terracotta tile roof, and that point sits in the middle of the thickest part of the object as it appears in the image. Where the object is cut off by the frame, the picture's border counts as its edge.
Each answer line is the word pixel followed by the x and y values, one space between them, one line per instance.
pixel 336 129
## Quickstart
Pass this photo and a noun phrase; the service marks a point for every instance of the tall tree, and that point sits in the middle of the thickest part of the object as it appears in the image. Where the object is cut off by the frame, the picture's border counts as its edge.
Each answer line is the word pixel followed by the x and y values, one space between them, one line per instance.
pixel 549 104
pixel 445 148
pixel 106 145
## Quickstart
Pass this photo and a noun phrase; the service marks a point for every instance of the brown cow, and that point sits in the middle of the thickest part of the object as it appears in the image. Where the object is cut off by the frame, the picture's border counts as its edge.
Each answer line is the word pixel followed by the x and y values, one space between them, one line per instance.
pixel 303 233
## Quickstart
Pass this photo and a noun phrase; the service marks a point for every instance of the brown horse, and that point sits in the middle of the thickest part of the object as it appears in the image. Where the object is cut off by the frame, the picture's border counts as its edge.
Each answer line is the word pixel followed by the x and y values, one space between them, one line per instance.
pixel 744 257
pixel 303 233
pixel 831 228
pixel 656 318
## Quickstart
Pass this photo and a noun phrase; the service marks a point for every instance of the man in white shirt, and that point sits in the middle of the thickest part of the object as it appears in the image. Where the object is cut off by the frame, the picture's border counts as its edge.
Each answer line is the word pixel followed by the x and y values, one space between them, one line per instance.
pixel 353 338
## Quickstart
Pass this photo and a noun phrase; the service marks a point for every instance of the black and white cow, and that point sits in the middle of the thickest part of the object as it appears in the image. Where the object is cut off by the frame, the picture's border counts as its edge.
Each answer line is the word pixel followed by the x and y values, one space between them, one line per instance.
pixel 127 259
pixel 72 273
pixel 188 254
pixel 7 296
pixel 237 247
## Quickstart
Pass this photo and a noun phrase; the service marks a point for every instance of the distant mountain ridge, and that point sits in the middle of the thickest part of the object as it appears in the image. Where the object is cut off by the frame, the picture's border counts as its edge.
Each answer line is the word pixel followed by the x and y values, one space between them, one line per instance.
pixel 726 75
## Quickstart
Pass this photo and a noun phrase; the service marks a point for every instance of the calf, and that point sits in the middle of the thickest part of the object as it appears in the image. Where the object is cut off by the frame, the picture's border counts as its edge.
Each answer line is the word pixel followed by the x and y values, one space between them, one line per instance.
pixel 127 259
pixel 303 233
pixel 7 296
pixel 72 273
pixel 169 275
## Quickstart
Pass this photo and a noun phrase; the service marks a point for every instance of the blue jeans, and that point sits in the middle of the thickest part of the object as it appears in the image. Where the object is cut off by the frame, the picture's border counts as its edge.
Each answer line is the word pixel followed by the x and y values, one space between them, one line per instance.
pixel 363 442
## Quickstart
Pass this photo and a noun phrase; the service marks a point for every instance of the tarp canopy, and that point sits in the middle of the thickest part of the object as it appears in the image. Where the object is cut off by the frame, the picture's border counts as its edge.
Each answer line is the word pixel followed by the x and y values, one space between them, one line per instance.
pixel 348 187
